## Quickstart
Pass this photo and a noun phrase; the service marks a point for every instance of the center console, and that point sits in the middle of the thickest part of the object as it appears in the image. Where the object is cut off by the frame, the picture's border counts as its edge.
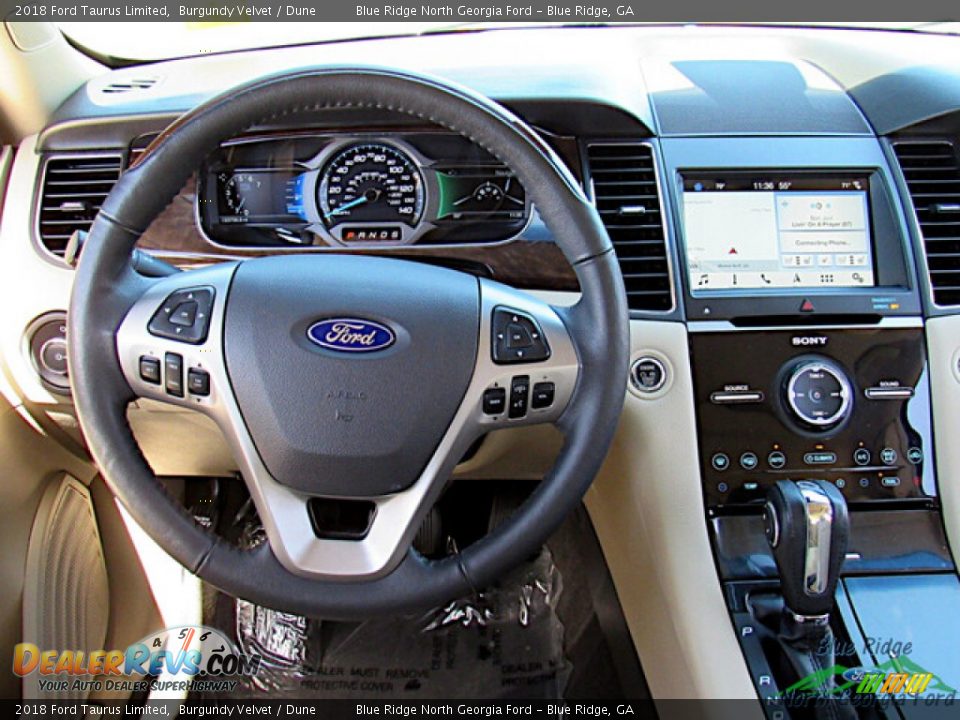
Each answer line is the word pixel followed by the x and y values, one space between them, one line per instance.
pixel 810 371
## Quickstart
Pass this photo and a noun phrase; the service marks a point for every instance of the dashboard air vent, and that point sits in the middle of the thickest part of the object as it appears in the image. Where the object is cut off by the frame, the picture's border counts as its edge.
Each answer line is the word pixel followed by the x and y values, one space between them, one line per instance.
pixel 74 188
pixel 932 171
pixel 125 86
pixel 624 179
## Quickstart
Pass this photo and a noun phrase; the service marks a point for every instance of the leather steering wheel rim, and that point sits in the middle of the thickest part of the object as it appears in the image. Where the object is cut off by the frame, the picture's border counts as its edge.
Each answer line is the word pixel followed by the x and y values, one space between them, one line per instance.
pixel 107 286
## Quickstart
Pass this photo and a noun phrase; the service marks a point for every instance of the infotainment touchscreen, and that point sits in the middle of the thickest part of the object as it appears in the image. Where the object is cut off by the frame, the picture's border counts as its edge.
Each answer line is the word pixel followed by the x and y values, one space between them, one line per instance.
pixel 772 230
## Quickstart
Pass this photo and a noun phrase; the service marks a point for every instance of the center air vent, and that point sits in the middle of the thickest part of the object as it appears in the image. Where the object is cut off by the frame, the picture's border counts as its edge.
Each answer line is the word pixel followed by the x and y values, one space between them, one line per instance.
pixel 932 171
pixel 73 190
pixel 625 190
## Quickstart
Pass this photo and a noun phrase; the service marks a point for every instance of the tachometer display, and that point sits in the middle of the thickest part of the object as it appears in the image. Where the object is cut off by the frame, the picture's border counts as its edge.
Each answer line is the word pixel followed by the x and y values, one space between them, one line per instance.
pixel 371 183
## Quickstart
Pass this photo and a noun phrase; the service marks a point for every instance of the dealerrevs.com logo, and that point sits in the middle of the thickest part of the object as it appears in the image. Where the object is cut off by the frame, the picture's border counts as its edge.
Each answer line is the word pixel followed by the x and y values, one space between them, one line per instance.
pixel 174 658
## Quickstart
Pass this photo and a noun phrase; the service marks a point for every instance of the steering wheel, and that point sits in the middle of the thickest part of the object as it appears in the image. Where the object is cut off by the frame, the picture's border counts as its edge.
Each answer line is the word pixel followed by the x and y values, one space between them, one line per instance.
pixel 356 378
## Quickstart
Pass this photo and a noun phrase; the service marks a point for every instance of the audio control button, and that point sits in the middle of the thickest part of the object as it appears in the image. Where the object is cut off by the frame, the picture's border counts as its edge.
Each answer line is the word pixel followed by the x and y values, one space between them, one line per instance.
pixel 819 394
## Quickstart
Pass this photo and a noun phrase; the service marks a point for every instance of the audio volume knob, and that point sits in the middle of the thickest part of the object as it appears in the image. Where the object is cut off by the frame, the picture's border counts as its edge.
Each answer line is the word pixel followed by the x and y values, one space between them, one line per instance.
pixel 819 394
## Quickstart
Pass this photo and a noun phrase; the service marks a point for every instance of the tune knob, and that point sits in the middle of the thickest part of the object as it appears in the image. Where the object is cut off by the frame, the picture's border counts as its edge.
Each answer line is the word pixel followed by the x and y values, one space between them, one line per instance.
pixel 819 394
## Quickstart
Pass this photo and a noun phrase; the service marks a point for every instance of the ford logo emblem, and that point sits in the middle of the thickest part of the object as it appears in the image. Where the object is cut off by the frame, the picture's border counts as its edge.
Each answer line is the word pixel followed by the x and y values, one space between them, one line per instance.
pixel 351 335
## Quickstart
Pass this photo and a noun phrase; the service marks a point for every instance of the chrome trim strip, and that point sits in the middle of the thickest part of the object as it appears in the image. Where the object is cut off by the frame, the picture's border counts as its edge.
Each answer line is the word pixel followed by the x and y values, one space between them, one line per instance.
pixel 818 511
pixel 886 323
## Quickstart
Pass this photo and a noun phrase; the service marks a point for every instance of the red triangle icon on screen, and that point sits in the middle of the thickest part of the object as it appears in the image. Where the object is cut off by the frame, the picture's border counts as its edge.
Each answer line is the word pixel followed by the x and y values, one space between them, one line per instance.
pixel 806 306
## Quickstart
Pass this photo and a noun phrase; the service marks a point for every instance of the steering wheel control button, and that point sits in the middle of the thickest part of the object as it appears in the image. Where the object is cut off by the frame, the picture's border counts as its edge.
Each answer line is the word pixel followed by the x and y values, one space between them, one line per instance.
pixel 198 382
pixel 888 456
pixel 720 461
pixel 648 374
pixel 915 456
pixel 519 396
pixel 494 401
pixel 861 456
pixel 818 394
pixel 184 316
pixel 517 338
pixel 748 461
pixel 173 374
pixel 150 369
pixel 542 396
pixel 777 460
pixel 820 458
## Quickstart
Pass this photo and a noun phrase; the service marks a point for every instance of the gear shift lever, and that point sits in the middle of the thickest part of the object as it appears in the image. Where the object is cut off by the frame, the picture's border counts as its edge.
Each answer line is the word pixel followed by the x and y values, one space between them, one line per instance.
pixel 807 527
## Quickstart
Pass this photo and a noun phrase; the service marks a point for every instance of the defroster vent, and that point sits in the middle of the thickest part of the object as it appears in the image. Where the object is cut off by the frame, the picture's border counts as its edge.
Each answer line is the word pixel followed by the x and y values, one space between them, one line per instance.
pixel 932 171
pixel 624 179
pixel 74 188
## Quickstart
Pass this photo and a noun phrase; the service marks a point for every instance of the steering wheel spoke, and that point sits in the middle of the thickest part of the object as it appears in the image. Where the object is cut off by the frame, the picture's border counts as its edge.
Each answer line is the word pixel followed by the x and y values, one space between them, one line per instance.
pixel 508 388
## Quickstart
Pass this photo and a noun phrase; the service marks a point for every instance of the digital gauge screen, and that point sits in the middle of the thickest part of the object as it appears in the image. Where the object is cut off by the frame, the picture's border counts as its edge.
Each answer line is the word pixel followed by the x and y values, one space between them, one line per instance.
pixel 258 196
pixel 754 231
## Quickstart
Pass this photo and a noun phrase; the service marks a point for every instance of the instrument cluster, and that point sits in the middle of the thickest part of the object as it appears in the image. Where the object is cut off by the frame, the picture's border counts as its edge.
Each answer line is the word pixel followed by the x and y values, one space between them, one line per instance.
pixel 362 189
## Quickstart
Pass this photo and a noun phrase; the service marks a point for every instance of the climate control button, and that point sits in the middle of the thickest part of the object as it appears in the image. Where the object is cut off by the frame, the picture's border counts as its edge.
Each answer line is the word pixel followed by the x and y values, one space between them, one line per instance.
pixel 819 394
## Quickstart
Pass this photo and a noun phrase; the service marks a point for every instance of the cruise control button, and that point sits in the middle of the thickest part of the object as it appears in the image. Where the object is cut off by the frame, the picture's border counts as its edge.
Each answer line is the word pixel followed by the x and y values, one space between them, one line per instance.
pixel 542 395
pixel 494 401
pixel 173 373
pixel 748 461
pixel 861 456
pixel 888 456
pixel 198 382
pixel 519 396
pixel 150 369
pixel 517 338
pixel 720 461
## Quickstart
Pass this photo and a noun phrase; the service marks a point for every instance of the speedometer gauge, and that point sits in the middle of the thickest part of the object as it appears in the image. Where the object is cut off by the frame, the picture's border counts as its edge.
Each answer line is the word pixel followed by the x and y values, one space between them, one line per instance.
pixel 371 183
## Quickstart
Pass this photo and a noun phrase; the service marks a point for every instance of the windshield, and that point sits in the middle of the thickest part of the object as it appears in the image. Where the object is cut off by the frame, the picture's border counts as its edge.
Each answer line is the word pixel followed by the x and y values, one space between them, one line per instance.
pixel 156 41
